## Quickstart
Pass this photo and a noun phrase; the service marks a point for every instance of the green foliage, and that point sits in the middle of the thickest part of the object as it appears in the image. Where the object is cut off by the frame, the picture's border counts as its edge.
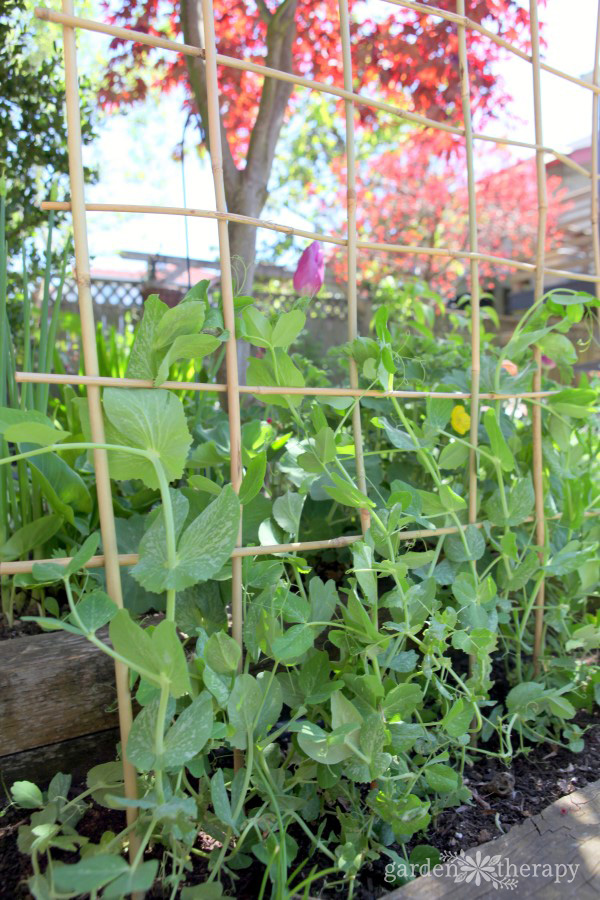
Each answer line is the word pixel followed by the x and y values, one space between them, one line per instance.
pixel 352 703
pixel 33 139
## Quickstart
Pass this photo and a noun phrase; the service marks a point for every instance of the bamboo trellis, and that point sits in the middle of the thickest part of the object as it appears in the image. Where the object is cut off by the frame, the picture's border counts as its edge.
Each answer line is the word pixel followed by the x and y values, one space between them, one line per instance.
pixel 111 560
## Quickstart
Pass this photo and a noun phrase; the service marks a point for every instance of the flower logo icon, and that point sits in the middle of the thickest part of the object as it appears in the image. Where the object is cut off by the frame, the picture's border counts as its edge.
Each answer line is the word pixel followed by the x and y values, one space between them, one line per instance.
pixel 478 869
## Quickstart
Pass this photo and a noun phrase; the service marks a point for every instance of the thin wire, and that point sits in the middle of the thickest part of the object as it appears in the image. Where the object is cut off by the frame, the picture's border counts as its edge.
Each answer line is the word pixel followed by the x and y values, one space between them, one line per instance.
pixel 187 238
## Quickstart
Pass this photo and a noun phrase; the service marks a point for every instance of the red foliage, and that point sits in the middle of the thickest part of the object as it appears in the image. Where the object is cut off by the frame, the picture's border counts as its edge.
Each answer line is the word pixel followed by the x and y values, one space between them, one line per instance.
pixel 415 198
pixel 405 57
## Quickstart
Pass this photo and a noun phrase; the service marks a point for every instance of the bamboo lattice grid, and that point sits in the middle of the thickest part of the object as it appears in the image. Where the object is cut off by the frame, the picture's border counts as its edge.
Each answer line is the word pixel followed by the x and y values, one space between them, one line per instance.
pixel 111 560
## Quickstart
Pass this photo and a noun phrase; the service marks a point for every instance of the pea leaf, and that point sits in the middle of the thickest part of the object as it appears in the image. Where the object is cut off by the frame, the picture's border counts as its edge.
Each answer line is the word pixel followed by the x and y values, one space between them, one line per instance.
pixel 168 657
pixel 293 643
pixel 96 610
pixel 453 456
pixel 450 499
pixel 402 700
pixel 131 641
pixel 183 319
pixel 347 494
pixel 65 490
pixel 323 601
pixel 441 778
pixel 500 448
pixel 190 732
pixel 27 795
pixel 35 433
pixel 259 373
pixel 134 881
pixel 525 700
pixel 146 420
pixel 456 550
pixel 28 426
pixel 520 342
pixel 220 800
pixel 143 359
pixel 243 707
pixel 256 328
pixel 29 537
pixel 140 744
pixel 458 718
pixel 287 511
pixel 222 653
pixel 439 411
pixel 203 549
pixel 185 346
pixel 272 704
pixel 559 348
pixel 89 874
pixel 287 328
pixel 201 483
pixel 397 438
pixel 577 403
pixel 84 554
pixel 520 503
pixel 254 477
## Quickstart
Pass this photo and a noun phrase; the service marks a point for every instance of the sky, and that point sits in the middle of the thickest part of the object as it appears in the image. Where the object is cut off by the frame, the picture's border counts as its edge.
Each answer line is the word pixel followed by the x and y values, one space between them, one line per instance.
pixel 134 152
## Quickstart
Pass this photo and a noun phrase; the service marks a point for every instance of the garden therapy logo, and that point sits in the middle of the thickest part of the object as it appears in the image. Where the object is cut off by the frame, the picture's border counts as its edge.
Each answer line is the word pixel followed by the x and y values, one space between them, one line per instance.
pixel 477 868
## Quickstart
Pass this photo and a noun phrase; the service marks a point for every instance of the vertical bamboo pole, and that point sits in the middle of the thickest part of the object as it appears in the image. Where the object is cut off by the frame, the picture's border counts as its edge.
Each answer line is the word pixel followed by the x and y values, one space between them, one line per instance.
pixel 88 338
pixel 365 519
pixel 595 185
pixel 474 268
pixel 233 395
pixel 473 244
pixel 536 414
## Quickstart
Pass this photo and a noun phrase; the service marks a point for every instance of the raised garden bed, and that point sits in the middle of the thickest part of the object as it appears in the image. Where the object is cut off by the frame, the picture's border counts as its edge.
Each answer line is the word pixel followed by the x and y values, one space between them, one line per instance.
pixel 57 705
pixel 507 801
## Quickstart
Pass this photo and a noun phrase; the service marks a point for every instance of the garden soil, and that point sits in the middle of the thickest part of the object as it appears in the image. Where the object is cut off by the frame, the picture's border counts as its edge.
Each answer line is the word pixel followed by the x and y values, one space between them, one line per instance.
pixel 501 798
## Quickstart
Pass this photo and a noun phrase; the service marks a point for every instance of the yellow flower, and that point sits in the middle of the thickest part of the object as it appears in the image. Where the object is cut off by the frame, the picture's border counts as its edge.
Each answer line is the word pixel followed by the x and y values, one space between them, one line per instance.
pixel 510 367
pixel 460 419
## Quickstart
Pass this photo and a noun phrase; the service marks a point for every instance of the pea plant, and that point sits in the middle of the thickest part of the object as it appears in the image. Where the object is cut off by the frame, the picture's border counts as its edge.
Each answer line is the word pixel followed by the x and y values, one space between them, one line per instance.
pixel 354 706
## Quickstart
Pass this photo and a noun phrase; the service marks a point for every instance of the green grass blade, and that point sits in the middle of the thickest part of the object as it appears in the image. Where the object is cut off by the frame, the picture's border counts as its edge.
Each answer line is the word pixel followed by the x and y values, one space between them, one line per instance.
pixel 44 314
pixel 26 389
pixel 50 354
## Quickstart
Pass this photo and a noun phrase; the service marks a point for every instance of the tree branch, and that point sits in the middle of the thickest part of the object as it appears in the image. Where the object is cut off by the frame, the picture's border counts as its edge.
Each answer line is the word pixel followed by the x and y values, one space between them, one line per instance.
pixel 193 33
pixel 264 11
pixel 275 96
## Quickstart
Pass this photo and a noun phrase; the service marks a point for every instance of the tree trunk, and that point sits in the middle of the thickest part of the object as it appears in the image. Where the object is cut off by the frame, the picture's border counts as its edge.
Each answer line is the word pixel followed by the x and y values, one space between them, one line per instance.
pixel 246 189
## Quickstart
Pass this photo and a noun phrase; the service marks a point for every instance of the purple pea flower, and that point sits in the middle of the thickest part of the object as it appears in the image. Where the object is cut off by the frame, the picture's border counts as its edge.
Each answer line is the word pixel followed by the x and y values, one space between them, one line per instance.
pixel 310 273
pixel 546 361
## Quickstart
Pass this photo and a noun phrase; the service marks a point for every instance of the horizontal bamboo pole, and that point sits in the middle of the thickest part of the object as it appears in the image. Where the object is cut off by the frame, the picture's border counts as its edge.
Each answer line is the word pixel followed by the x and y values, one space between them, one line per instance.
pixel 126 34
pixel 151 40
pixel 130 559
pixel 201 214
pixel 500 41
pixel 267 72
pixel 324 238
pixel 106 381
pixel 22 567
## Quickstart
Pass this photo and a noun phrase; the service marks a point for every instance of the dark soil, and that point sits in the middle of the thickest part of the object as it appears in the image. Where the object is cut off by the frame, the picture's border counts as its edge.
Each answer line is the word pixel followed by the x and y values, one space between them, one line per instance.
pixel 501 798
pixel 18 629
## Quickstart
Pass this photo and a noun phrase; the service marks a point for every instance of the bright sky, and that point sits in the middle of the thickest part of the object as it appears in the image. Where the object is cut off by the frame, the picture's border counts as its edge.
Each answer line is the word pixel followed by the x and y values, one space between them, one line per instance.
pixel 136 164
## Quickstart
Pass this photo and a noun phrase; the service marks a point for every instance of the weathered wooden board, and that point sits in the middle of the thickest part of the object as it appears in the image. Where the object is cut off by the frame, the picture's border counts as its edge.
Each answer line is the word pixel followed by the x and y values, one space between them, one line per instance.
pixel 566 834
pixel 75 757
pixel 53 687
